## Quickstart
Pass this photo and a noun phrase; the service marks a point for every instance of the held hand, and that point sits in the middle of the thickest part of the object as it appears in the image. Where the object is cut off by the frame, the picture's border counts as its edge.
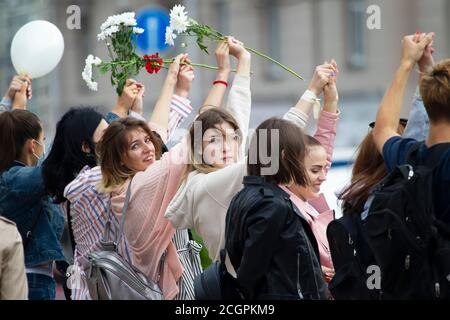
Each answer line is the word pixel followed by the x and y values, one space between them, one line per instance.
pixel 16 85
pixel 330 92
pixel 126 100
pixel 322 76
pixel 412 51
pixel 174 67
pixel 138 104
pixel 185 77
pixel 237 49
pixel 425 63
pixel 223 58
pixel 20 98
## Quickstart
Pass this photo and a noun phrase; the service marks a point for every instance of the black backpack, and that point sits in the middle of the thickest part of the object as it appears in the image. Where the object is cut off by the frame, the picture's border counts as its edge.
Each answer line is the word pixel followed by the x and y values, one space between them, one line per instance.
pixel 351 257
pixel 411 247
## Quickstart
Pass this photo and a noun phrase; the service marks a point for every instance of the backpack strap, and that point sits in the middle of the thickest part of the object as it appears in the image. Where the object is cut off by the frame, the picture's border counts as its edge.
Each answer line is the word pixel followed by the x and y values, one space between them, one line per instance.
pixel 69 222
pixel 433 158
pixel 29 234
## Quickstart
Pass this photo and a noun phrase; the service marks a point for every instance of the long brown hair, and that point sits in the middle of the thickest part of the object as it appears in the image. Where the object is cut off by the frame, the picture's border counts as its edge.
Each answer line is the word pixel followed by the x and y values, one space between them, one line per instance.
pixel 369 168
pixel 208 120
pixel 16 127
pixel 291 146
pixel 112 150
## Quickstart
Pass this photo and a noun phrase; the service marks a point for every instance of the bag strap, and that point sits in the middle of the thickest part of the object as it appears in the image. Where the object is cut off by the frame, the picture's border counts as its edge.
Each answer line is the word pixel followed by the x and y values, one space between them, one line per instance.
pixel 433 158
pixel 29 234
pixel 69 222
pixel 124 212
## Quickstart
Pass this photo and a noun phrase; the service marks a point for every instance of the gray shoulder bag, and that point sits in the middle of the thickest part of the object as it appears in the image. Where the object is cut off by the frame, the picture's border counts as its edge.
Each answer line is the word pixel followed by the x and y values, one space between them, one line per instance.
pixel 111 277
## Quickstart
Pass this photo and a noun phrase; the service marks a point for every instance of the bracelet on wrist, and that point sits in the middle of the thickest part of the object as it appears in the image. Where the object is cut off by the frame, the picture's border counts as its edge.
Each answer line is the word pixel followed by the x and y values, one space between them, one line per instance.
pixel 221 82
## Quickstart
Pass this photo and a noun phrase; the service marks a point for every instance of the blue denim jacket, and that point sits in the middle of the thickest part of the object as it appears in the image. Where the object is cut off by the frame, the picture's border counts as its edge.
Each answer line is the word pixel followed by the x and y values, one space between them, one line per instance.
pixel 21 199
pixel 418 123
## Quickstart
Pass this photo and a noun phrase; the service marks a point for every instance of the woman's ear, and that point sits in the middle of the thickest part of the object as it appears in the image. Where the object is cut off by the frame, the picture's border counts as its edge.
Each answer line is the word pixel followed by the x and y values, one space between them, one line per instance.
pixel 85 147
pixel 282 154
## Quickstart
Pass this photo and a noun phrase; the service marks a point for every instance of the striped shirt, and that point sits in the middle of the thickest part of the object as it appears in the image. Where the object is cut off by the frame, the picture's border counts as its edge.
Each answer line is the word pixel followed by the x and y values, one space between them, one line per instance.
pixel 89 207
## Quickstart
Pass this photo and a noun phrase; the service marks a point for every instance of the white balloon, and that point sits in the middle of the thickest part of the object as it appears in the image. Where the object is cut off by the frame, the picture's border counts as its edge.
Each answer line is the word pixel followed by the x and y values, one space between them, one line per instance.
pixel 37 48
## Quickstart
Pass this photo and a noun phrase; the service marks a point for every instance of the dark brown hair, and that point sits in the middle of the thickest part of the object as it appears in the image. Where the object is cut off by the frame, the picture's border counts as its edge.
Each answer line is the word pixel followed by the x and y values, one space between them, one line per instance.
pixel 435 92
pixel 369 168
pixel 291 149
pixel 112 150
pixel 16 127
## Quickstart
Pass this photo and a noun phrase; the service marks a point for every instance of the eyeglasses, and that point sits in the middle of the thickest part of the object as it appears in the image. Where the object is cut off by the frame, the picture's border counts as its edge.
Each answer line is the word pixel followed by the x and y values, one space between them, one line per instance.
pixel 402 121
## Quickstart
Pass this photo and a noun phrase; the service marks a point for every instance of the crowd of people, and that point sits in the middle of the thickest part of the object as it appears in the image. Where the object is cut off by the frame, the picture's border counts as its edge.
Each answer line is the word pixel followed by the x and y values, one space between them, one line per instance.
pixel 257 208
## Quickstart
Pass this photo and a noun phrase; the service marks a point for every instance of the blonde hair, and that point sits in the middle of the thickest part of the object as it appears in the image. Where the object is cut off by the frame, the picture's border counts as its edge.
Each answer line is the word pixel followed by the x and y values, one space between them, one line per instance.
pixel 112 150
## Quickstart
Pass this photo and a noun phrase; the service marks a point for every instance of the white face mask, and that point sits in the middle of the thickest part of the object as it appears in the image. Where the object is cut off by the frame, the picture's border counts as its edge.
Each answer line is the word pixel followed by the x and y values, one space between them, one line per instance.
pixel 41 158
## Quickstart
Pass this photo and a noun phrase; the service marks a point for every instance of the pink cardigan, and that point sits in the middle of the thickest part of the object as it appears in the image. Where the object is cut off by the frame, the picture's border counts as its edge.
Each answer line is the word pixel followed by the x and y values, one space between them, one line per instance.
pixel 325 134
pixel 148 232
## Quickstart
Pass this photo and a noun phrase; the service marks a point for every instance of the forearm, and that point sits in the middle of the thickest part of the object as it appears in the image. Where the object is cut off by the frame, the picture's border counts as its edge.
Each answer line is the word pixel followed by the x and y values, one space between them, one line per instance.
pixel 217 92
pixel 389 113
pixel 304 106
pixel 326 132
pixel 244 65
pixel 160 114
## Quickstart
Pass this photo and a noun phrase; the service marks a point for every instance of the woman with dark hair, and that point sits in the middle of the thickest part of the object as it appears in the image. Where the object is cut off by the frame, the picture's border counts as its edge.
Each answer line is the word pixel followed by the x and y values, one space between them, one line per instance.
pixel 23 199
pixel 73 148
pixel 268 241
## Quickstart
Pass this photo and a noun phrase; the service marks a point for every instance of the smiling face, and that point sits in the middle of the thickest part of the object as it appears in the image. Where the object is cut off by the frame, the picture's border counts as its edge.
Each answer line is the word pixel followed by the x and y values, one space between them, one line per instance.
pixel 220 145
pixel 316 168
pixel 140 150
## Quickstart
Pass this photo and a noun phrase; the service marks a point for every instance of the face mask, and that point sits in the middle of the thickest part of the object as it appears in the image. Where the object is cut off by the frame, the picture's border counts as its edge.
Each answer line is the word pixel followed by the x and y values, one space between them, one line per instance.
pixel 41 158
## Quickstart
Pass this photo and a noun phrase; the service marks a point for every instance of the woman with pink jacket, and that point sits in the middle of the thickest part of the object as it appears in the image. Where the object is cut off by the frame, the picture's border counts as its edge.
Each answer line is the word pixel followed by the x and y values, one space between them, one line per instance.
pixel 130 156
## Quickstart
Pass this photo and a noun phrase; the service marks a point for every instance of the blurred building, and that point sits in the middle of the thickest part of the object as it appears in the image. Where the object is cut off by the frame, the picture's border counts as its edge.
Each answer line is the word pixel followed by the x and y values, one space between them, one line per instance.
pixel 300 33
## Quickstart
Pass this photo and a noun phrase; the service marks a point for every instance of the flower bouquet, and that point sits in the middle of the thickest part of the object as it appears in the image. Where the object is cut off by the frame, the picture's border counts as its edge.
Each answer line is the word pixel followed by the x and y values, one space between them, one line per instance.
pixel 117 31
pixel 181 24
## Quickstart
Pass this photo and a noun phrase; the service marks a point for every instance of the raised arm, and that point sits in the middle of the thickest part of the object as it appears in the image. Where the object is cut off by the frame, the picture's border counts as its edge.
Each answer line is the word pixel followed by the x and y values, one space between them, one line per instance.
pixel 389 112
pixel 326 126
pixel 418 122
pixel 217 92
pixel 17 94
pixel 239 99
pixel 159 120
pixel 299 114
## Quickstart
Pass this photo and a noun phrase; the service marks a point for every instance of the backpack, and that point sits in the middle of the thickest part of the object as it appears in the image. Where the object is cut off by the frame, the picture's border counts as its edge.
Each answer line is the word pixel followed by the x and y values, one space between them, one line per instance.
pixel 351 257
pixel 410 246
pixel 110 276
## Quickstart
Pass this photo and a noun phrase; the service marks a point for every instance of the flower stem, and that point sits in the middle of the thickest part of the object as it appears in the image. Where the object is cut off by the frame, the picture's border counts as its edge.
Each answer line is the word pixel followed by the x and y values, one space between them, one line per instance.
pixel 274 61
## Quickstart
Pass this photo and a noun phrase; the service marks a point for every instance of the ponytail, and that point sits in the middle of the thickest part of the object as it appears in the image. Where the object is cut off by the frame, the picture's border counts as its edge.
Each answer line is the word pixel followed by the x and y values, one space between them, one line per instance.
pixel 16 127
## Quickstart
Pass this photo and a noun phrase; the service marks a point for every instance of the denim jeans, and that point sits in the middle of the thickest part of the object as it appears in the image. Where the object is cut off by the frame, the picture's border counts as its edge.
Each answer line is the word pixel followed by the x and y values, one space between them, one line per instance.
pixel 41 287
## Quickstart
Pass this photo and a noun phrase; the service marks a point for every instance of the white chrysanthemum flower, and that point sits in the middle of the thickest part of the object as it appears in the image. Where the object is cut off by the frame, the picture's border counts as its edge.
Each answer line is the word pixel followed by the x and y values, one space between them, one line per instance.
pixel 126 18
pixel 108 32
pixel 179 20
pixel 170 36
pixel 138 30
pixel 87 72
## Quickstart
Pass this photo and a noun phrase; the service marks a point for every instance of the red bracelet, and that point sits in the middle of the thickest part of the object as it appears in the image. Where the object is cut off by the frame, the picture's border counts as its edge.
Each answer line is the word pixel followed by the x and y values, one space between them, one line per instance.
pixel 222 82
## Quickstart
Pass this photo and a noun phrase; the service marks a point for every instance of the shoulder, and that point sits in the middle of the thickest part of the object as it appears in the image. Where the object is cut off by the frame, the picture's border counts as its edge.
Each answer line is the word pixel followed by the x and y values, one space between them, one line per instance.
pixel 87 178
pixel 4 222
pixel 396 149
